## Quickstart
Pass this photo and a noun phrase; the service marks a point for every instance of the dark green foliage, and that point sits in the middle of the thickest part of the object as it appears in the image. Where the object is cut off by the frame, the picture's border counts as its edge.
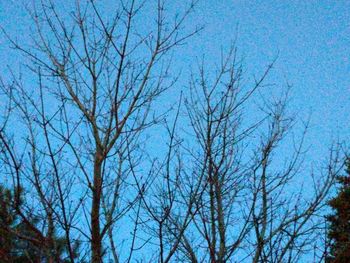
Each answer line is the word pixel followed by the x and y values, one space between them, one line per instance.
pixel 20 243
pixel 15 244
pixel 339 221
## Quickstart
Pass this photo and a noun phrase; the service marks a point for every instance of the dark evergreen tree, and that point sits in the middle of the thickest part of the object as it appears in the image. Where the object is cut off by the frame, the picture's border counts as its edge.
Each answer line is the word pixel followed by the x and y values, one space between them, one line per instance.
pixel 6 221
pixel 17 238
pixel 339 221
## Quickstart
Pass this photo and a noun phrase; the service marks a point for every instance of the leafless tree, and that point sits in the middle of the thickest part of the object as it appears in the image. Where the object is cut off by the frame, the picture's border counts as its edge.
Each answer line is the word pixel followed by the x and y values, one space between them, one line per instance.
pixel 73 146
pixel 96 80
pixel 252 206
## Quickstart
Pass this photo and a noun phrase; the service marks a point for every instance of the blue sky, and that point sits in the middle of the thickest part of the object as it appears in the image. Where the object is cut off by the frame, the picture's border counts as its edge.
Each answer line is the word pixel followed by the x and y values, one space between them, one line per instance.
pixel 311 39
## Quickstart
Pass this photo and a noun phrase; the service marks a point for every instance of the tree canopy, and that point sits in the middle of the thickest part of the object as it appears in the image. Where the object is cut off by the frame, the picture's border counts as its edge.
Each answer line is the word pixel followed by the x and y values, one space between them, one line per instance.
pixel 339 221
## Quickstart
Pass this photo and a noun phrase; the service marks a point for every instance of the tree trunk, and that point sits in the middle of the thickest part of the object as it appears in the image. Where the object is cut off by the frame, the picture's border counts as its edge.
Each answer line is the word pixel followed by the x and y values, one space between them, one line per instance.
pixel 96 240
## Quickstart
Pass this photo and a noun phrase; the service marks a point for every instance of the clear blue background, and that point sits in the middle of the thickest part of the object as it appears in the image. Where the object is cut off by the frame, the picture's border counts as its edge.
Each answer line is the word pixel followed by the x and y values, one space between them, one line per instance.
pixel 311 39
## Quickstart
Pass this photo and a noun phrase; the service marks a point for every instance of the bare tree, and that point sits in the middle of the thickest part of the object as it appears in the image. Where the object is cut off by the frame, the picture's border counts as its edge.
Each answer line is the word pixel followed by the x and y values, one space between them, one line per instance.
pixel 73 147
pixel 251 207
pixel 97 78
